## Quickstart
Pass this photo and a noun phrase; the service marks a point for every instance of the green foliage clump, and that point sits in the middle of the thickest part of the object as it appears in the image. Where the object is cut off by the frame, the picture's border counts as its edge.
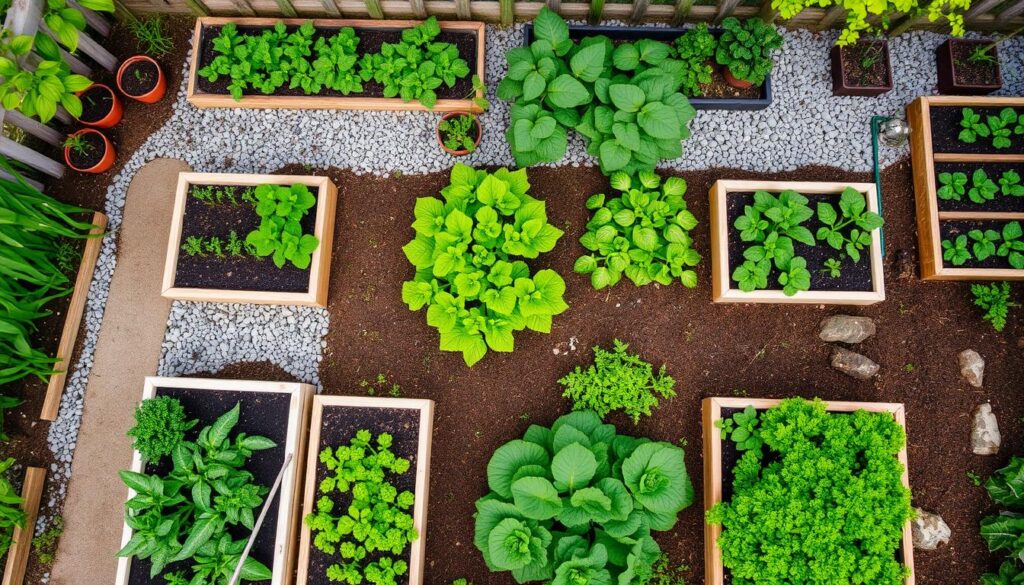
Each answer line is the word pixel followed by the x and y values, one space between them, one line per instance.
pixel 376 524
pixel 953 186
pixel 37 91
pixel 746 48
pixel 459 133
pixel 66 21
pixel 150 36
pixel 281 208
pixel 1004 532
pixel 160 426
pixel 695 49
pixel 11 514
pixel 1007 243
pixel 468 253
pixel 875 15
pixel 576 503
pixel 994 299
pixel 617 381
pixel 207 492
pixel 644 233
pixel 45 545
pixel 998 129
pixel 817 473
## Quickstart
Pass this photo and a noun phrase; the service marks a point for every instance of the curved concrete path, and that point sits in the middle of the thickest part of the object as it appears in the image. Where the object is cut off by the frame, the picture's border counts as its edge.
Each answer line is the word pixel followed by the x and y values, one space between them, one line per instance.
pixel 128 350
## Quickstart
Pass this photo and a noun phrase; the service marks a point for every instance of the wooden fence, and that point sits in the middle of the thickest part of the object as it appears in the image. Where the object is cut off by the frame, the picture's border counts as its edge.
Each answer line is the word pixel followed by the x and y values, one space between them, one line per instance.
pixel 985 15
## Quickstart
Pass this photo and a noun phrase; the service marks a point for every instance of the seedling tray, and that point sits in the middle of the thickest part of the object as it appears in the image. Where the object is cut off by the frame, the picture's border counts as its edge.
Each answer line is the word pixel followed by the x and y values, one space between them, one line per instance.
pixel 323 216
pixel 334 422
pixel 277 410
pixel 724 290
pixel 21 538
pixel 669 35
pixel 204 30
pixel 933 147
pixel 711 411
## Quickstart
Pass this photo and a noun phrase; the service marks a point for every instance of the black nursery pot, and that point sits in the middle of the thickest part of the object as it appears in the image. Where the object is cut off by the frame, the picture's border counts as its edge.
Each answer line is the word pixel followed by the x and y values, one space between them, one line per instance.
pixel 841 86
pixel 957 76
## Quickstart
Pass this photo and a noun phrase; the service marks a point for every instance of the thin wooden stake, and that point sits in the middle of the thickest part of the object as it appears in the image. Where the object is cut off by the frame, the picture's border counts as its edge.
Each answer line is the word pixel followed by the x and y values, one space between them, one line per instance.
pixel 462 11
pixel 259 521
pixel 508 14
pixel 417 8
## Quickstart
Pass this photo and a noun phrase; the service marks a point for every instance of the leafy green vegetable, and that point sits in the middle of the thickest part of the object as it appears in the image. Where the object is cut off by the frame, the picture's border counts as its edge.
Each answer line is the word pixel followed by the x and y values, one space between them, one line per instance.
pixel 746 48
pixel 742 429
pixel 772 224
pixel 955 251
pixel 972 127
pixel 994 299
pixel 11 514
pixel 617 381
pixel 66 21
pixel 644 233
pixel 998 128
pixel 469 273
pixel 982 188
pixel 984 243
pixel 695 49
pixel 160 426
pixel 1004 532
pixel 953 186
pixel 816 474
pixel 459 132
pixel 1001 127
pixel 281 209
pixel 853 215
pixel 1010 184
pixel 576 503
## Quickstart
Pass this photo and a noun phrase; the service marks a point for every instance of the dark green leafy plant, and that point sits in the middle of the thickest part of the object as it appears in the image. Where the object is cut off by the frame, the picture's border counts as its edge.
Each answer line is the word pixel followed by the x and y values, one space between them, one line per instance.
pixel 850 229
pixel 576 503
pixel 955 251
pixel 813 475
pixel 194 246
pixel 281 208
pixel 982 188
pixel 771 225
pixel 617 380
pixel 66 21
pixel 644 233
pixel 953 186
pixel 376 524
pixel 695 49
pixel 468 253
pixel 160 426
pixel 1004 532
pixel 11 514
pixel 1010 184
pixel 995 300
pixel 746 48
pixel 459 133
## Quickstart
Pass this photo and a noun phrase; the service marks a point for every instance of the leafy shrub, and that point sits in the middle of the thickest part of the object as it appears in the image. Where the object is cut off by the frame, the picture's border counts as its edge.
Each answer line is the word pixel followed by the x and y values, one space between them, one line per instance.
pixel 11 514
pixel 206 493
pixel 771 225
pixel 624 99
pixel 459 132
pixel 644 233
pixel 376 524
pixel 849 229
pixel 469 273
pixel 816 474
pixel 617 381
pixel 1004 532
pixel 746 48
pixel 861 14
pixel 160 425
pixel 695 48
pixel 281 208
pixel 66 21
pixel 36 92
pixel 576 503
pixel 998 128
pixel 994 299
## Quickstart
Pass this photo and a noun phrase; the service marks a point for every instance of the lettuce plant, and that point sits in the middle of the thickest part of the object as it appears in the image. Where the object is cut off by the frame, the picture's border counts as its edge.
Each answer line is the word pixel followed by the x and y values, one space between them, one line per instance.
pixel 470 273
pixel 816 473
pixel 1004 532
pixel 577 503
pixel 644 233
pixel 11 514
pixel 746 48
pixel 281 208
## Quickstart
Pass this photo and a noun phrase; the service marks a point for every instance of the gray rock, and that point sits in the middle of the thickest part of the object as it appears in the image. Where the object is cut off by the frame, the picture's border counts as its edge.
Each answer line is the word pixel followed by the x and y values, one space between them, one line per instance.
pixel 985 436
pixel 972 367
pixel 853 364
pixel 846 329
pixel 929 530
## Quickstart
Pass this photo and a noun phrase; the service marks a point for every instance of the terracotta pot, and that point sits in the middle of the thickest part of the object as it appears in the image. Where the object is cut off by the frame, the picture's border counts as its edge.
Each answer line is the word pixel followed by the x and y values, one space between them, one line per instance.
pixel 849 87
pixel 113 116
pixel 105 162
pixel 476 123
pixel 737 83
pixel 947 64
pixel 153 95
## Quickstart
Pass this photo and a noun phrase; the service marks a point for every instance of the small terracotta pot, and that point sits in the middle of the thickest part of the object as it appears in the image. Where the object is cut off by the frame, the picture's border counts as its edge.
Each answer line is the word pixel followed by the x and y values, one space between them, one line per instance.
pixel 152 96
pixel 105 162
pixel 116 109
pixel 737 83
pixel 476 143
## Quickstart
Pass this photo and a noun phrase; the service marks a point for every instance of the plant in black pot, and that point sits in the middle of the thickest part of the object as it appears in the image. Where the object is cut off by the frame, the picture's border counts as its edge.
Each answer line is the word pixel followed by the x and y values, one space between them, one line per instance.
pixel 969 66
pixel 745 51
pixel 861 68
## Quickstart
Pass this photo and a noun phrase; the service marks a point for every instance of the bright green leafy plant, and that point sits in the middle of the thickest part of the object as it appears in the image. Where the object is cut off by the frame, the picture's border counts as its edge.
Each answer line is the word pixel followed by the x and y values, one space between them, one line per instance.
pixel 617 380
pixel 956 251
pixel 814 473
pixel 376 527
pixel 643 233
pixel 695 49
pixel 995 300
pixel 984 243
pixel 998 128
pixel 972 126
pixel 66 21
pixel 11 514
pixel 850 229
pixel 1004 532
pixel 281 209
pixel 459 133
pixel 1012 246
pixel 1001 127
pixel 953 186
pixel 771 225
pixel 468 253
pixel 1010 184
pixel 746 48
pixel 875 16
pixel 577 503
pixel 160 426
pixel 982 188
pixel 37 92
pixel 741 428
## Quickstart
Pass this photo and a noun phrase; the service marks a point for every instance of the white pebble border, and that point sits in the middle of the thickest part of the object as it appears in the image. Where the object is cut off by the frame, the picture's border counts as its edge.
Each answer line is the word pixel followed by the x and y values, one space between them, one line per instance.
pixel 805 125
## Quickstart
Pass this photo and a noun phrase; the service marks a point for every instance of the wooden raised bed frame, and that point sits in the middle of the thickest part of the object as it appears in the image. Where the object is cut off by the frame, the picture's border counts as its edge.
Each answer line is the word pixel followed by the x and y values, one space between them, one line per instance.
pixel 721 273
pixel 417 549
pixel 319 268
pixel 21 540
pixel 929 236
pixel 73 320
pixel 288 507
pixel 711 411
pixel 207 100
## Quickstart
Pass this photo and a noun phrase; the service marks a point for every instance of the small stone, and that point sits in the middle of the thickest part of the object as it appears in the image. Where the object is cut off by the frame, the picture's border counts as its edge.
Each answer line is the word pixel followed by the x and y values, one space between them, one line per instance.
pixel 985 437
pixel 846 329
pixel 972 367
pixel 929 530
pixel 853 364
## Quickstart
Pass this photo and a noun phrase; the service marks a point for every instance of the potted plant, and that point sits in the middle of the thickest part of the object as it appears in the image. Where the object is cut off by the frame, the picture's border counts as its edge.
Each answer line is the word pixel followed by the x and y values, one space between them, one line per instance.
pixel 745 51
pixel 89 151
pixel 862 68
pixel 970 67
pixel 459 133
pixel 101 107
pixel 141 78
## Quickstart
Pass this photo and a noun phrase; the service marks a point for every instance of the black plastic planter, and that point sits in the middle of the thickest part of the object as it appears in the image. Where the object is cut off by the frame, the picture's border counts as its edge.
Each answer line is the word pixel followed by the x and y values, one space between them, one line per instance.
pixel 846 87
pixel 947 63
pixel 668 35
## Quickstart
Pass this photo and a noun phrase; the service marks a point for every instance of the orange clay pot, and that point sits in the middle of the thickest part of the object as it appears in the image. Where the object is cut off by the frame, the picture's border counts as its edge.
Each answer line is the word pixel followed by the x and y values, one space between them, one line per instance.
pixel 105 162
pixel 113 116
pixel 153 95
pixel 476 123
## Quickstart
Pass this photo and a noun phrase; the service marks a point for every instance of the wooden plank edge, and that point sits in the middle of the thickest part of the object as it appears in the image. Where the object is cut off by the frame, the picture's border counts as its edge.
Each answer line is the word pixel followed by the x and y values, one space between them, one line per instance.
pixel 21 540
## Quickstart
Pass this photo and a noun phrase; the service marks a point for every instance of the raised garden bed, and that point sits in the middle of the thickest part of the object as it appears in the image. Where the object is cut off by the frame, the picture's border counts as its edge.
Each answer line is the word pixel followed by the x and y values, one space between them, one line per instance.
pixel 21 540
pixel 467 36
pixel 936 149
pixel 858 283
pixel 275 410
pixel 728 98
pixel 861 69
pixel 334 423
pixel 243 277
pixel 721 456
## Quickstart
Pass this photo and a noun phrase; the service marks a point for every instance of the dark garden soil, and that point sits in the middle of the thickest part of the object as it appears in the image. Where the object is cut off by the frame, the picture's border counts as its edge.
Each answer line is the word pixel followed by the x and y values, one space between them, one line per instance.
pixel 946 129
pixel 719 88
pixel 871 54
pixel 139 78
pixel 245 272
pixel 967 72
pixel 264 414
pixel 96 103
pixel 952 228
pixel 92 151
pixel 370 41
pixel 855 276
pixel 994 172
pixel 340 424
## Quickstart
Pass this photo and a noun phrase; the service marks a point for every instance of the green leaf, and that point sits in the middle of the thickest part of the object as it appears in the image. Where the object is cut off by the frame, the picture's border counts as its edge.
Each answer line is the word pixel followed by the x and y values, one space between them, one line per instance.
pixel 549 26
pixel 508 459
pixel 536 498
pixel 588 63
pixel 566 92
pixel 629 98
pixel 573 467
